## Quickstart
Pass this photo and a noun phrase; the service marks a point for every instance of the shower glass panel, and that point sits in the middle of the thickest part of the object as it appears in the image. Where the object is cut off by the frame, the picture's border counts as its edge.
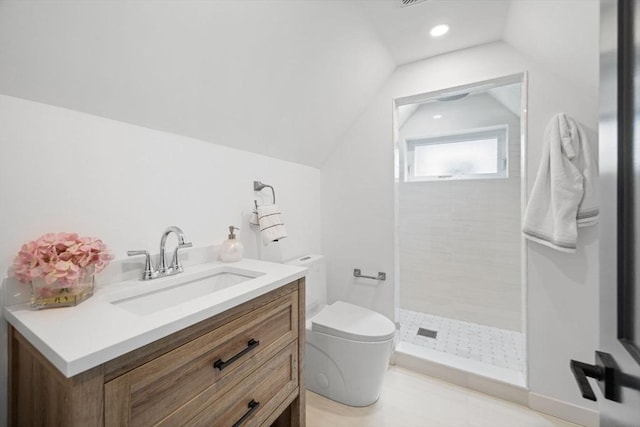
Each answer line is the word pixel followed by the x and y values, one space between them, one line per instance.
pixel 459 169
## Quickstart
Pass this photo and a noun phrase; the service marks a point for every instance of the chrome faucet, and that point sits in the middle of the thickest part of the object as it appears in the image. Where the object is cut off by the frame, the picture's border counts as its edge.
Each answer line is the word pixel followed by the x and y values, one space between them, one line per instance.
pixel 176 267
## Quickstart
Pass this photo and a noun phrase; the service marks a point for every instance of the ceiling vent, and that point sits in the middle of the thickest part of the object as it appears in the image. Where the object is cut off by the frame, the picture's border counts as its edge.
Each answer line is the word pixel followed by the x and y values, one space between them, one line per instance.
pixel 405 3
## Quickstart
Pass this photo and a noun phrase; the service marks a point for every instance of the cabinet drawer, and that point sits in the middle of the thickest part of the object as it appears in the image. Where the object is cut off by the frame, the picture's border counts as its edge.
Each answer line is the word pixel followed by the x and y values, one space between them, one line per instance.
pixel 145 395
pixel 249 403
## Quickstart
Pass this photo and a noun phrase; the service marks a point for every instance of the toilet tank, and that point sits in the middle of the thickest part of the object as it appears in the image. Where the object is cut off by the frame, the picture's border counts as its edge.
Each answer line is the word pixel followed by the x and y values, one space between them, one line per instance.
pixel 315 282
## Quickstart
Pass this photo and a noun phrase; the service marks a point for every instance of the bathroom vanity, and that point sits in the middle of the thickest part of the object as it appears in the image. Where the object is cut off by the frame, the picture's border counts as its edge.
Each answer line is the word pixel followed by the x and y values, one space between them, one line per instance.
pixel 237 362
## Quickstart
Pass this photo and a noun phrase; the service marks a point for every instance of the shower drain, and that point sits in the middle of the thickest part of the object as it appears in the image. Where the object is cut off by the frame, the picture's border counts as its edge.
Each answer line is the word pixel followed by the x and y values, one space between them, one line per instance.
pixel 427 333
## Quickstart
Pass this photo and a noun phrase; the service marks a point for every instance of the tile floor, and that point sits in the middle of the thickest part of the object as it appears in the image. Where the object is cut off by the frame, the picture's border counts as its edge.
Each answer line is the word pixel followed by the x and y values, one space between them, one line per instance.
pixel 409 399
pixel 485 344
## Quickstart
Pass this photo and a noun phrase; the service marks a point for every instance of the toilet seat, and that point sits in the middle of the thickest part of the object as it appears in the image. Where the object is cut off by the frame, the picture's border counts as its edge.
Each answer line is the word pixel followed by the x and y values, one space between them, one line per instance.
pixel 353 322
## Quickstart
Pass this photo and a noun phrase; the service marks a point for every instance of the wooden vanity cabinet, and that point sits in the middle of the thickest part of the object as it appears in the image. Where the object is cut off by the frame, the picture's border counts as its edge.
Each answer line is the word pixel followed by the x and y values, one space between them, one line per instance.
pixel 242 367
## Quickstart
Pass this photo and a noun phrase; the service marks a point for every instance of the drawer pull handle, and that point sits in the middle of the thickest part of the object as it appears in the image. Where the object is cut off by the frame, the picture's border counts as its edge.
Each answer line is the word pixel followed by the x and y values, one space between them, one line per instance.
pixel 220 364
pixel 253 405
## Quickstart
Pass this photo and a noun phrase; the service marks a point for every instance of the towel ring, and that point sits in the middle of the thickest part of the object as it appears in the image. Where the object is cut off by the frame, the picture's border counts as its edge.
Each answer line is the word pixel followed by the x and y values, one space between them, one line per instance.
pixel 257 186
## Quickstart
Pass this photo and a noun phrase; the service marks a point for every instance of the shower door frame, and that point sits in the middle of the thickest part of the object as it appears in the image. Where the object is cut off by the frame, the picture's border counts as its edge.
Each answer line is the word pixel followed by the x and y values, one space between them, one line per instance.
pixel 521 78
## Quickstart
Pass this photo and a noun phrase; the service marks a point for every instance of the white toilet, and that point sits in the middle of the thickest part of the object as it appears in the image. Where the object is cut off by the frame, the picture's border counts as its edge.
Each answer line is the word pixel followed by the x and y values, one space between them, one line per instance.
pixel 348 346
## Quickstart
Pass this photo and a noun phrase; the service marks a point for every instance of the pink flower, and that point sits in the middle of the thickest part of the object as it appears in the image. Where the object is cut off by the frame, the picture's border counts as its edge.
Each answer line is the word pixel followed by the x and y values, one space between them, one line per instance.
pixel 59 258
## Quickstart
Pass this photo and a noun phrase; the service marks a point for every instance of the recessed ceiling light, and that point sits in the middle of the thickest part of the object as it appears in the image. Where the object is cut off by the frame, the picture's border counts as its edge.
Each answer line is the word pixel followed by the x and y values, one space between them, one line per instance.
pixel 437 116
pixel 439 30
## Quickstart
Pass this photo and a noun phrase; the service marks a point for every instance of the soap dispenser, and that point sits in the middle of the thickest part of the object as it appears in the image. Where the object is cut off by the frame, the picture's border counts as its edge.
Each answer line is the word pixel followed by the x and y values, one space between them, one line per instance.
pixel 232 248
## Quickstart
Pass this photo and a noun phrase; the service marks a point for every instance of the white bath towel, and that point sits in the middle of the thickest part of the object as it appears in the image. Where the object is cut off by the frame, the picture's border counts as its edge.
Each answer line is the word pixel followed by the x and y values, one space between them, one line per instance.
pixel 564 195
pixel 271 225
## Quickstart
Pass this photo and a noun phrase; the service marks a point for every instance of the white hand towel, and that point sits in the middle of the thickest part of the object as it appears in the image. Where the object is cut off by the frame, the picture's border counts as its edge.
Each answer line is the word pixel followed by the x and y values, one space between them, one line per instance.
pixel 271 225
pixel 253 218
pixel 564 195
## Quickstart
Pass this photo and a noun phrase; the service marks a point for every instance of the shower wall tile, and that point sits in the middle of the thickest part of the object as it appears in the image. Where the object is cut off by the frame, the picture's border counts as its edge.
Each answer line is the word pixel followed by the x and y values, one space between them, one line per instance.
pixel 459 240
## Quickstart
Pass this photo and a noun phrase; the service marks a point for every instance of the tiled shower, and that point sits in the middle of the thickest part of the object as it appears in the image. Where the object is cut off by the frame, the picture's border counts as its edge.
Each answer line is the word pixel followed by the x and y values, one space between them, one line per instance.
pixel 483 349
pixel 459 244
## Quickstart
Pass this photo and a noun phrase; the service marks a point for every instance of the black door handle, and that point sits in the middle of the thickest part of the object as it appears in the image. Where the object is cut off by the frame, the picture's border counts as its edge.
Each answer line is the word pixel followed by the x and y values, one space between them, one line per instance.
pixel 581 371
pixel 605 371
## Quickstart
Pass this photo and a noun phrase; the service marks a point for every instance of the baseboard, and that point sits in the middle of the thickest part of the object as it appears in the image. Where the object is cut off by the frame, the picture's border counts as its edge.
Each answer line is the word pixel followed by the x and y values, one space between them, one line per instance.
pixel 564 410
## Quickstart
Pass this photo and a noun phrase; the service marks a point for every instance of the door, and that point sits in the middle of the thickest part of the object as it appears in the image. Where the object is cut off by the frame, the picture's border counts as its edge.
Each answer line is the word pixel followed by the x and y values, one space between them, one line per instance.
pixel 617 367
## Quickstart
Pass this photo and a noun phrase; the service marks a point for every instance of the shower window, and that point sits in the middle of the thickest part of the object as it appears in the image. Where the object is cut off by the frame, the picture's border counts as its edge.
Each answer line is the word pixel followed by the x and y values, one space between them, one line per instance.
pixel 472 154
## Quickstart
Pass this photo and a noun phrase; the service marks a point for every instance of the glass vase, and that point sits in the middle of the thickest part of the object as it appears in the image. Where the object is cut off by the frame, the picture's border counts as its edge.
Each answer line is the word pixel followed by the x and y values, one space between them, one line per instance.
pixel 56 294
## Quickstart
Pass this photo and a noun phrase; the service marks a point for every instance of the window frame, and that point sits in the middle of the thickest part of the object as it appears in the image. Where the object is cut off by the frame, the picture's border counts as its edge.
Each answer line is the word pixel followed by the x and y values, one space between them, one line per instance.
pixel 499 132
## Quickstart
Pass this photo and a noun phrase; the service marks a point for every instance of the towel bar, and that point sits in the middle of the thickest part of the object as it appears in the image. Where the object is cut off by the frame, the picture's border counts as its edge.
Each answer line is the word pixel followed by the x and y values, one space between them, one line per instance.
pixel 358 273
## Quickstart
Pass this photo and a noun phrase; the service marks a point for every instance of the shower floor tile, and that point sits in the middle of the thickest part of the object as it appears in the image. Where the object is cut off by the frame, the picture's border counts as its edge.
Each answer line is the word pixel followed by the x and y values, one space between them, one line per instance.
pixel 485 344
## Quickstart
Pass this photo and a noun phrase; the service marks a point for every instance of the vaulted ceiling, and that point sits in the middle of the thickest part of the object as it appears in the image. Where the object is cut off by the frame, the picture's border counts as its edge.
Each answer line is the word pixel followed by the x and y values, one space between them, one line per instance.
pixel 405 30
pixel 284 78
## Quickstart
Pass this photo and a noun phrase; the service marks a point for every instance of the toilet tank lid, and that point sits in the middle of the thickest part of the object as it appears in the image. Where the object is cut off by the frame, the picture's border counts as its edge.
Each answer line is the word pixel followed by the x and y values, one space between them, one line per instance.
pixel 305 260
pixel 353 322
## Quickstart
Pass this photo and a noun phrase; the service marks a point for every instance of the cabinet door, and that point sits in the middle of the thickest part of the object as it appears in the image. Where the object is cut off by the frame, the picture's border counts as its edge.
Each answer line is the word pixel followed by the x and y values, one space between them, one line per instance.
pixel 208 365
pixel 250 402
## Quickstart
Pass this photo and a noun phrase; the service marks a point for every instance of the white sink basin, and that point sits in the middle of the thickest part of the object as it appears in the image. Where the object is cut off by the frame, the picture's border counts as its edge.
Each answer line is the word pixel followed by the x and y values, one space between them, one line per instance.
pixel 179 290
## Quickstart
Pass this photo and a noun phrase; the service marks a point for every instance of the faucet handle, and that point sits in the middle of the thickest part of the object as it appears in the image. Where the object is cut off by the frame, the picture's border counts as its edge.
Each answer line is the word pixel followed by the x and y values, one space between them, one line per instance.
pixel 176 265
pixel 148 272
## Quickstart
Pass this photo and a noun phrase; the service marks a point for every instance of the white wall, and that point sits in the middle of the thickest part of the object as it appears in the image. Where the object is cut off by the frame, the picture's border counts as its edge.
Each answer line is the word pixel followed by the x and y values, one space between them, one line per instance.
pixel 300 70
pixel 358 215
pixel 459 240
pixel 559 35
pixel 61 170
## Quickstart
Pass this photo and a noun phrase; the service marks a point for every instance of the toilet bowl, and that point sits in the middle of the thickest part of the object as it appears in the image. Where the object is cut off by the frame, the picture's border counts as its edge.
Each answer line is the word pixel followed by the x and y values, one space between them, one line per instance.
pixel 347 346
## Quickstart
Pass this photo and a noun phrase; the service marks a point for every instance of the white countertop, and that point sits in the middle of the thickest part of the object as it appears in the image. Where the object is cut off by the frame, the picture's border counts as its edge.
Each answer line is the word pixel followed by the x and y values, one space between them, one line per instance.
pixel 75 339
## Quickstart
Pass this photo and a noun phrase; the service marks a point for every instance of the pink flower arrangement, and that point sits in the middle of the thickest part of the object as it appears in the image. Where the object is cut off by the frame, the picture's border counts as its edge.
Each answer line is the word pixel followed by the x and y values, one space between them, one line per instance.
pixel 60 257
